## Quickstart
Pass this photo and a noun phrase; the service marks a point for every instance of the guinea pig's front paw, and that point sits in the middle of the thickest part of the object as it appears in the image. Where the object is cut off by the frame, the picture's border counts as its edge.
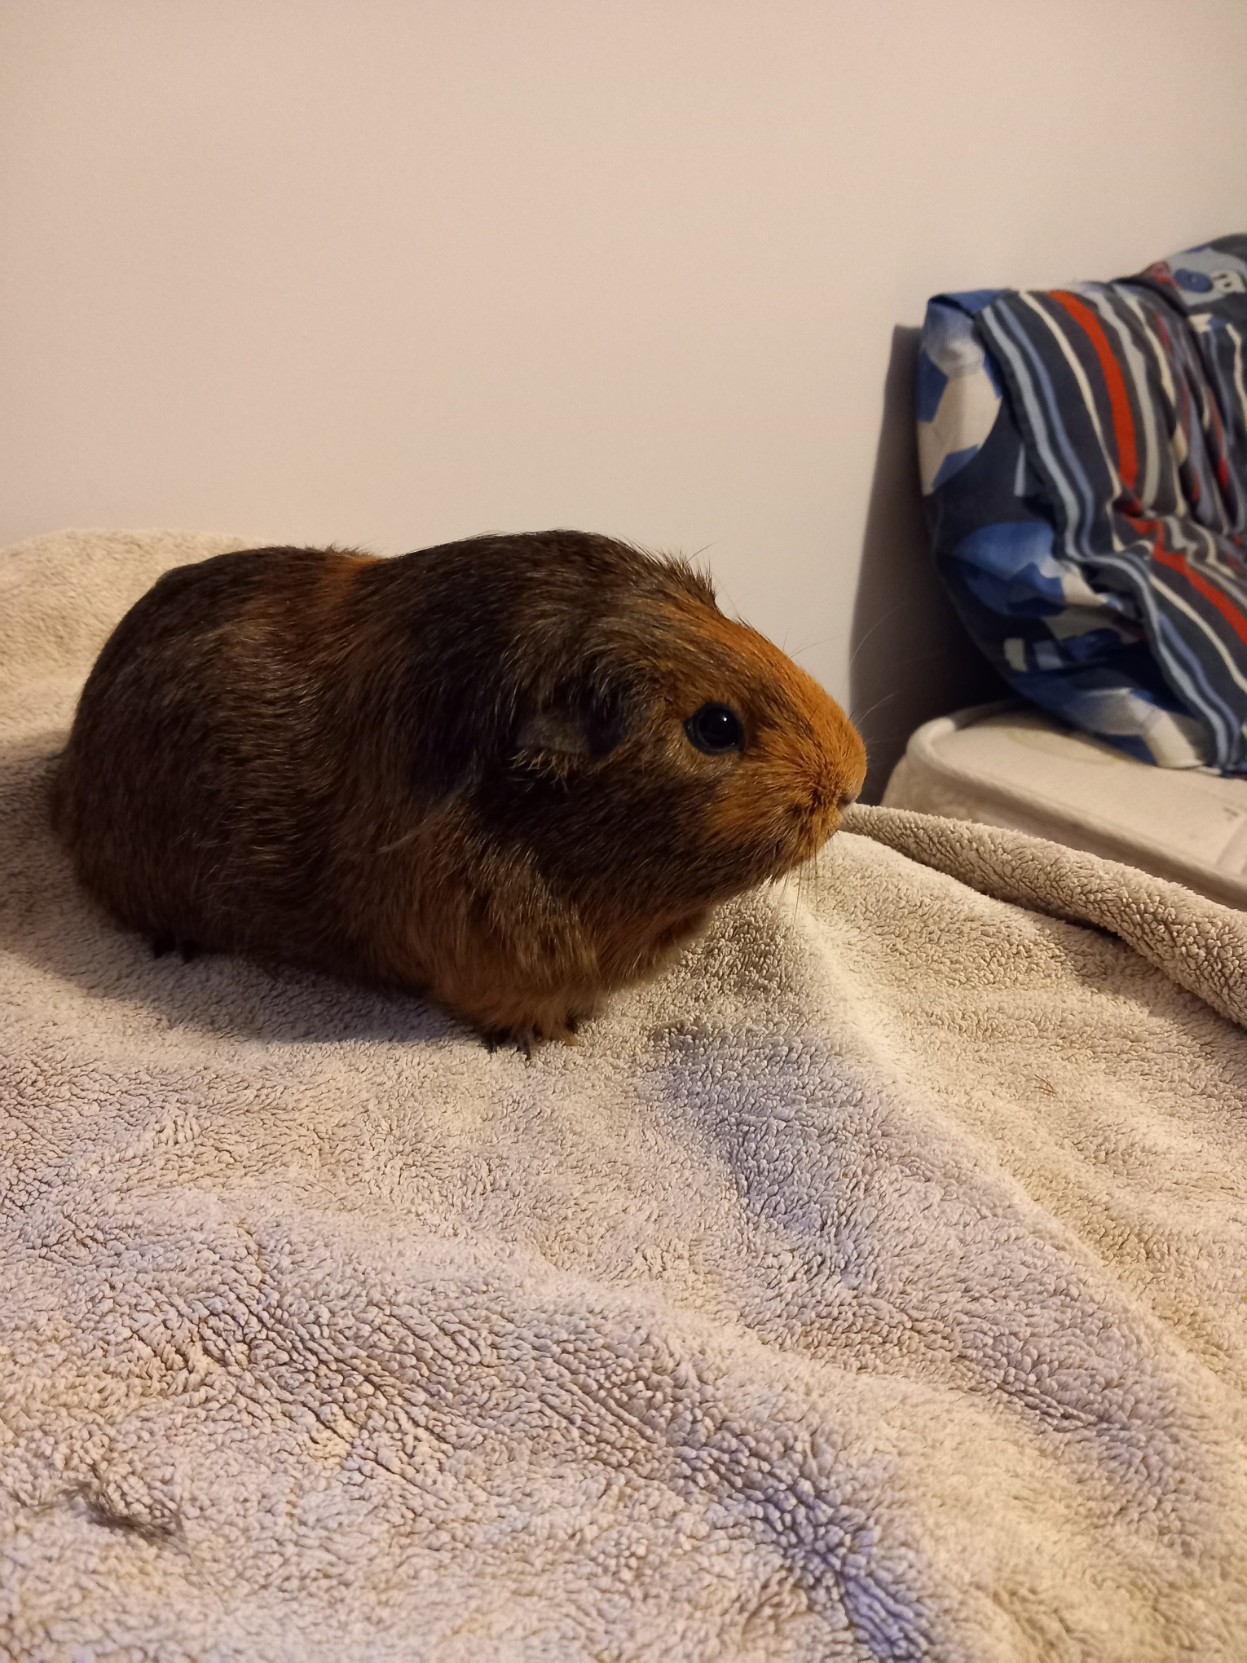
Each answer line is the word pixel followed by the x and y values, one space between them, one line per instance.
pixel 528 1037
pixel 503 1039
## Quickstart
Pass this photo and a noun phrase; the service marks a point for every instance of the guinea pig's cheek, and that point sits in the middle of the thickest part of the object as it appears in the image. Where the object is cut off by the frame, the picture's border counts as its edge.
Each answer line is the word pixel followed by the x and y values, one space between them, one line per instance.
pixel 748 827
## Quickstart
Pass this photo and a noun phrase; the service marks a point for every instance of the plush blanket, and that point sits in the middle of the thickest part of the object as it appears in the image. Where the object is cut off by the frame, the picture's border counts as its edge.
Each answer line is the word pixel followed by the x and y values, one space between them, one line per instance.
pixel 871 1286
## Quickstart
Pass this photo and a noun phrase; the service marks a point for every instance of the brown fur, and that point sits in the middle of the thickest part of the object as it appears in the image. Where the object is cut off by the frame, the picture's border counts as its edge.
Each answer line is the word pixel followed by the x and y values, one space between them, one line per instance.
pixel 464 771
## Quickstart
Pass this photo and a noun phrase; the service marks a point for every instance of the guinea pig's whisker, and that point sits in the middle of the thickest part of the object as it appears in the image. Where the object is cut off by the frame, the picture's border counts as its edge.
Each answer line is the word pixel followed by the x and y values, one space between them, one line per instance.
pixel 878 705
pixel 901 606
pixel 796 652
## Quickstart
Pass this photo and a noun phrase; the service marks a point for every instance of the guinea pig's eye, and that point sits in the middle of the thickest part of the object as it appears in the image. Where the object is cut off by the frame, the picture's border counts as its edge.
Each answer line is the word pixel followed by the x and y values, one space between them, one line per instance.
pixel 716 728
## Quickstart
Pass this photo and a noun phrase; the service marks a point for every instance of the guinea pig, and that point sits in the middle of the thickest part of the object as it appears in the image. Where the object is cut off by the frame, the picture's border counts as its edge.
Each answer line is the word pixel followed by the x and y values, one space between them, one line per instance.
pixel 511 773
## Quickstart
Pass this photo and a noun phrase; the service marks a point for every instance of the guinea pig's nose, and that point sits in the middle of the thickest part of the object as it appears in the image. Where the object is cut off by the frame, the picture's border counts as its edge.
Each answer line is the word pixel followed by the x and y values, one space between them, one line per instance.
pixel 821 796
pixel 822 803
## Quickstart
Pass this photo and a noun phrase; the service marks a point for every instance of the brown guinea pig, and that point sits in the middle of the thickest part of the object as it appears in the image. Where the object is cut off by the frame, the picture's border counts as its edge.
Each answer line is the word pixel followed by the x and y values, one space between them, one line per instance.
pixel 513 773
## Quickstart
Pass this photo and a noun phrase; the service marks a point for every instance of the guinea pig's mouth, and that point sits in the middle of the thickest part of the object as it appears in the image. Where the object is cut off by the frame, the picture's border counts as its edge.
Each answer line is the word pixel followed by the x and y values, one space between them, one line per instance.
pixel 794 833
pixel 802 844
pixel 814 822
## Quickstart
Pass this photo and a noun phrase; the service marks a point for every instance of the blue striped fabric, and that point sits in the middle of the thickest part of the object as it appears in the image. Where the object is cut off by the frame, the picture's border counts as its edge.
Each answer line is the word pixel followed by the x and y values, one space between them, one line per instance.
pixel 1084 459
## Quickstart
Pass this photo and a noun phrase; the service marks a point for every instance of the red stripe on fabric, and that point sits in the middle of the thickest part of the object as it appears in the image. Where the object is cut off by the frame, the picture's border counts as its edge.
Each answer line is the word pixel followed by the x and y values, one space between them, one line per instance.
pixel 1115 384
pixel 1178 563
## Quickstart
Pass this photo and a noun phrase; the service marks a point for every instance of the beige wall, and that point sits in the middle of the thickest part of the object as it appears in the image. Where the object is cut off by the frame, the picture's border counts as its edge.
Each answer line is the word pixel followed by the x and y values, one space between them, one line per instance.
pixel 390 272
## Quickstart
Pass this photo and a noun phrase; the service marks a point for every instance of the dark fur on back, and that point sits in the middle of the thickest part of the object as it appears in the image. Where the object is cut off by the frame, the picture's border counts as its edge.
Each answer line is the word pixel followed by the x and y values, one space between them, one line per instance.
pixel 464 769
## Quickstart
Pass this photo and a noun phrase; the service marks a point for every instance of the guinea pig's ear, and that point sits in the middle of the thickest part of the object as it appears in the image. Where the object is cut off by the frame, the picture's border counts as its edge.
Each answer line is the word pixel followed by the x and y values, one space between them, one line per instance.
pixel 581 722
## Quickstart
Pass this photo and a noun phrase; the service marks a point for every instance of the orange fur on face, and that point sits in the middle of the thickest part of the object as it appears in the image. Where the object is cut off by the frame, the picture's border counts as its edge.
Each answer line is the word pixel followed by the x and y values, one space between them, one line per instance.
pixel 803 759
